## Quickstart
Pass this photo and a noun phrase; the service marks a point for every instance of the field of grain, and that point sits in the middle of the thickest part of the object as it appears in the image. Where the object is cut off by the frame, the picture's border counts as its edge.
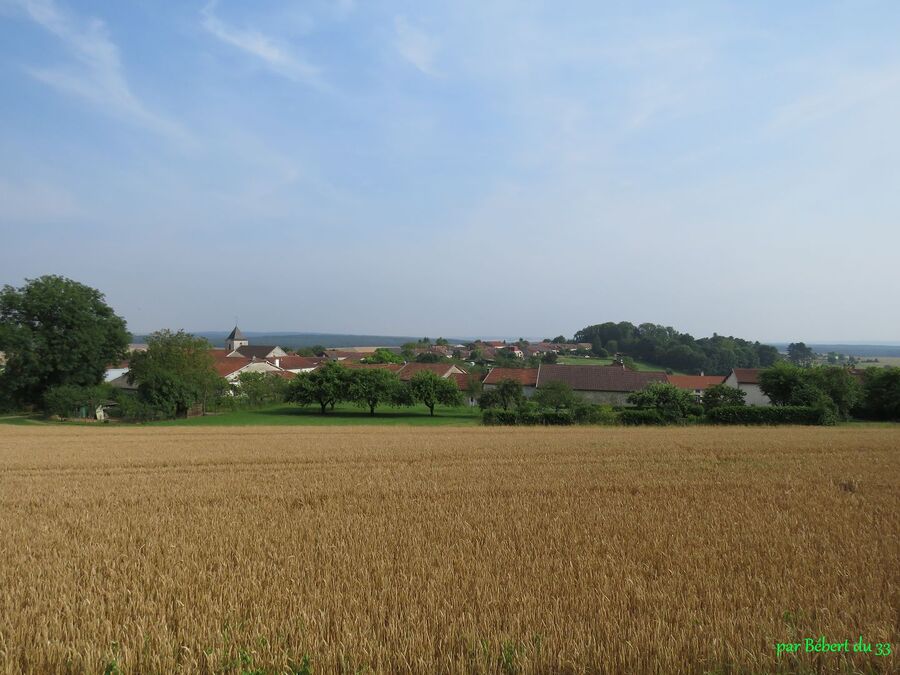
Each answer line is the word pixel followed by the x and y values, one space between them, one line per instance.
pixel 373 549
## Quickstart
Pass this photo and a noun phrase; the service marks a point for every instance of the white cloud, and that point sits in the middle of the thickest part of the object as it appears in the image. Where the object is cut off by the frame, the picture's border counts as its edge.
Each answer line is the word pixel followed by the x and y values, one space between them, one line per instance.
pixel 415 45
pixel 274 55
pixel 97 76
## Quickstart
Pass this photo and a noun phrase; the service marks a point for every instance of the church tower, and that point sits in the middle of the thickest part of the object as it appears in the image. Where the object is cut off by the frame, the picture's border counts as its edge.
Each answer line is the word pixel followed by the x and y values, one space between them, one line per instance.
pixel 235 340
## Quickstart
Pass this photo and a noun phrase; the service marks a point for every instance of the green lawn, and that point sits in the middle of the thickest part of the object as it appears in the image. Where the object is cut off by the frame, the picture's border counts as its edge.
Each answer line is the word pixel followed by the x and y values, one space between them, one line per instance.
pixel 594 361
pixel 342 414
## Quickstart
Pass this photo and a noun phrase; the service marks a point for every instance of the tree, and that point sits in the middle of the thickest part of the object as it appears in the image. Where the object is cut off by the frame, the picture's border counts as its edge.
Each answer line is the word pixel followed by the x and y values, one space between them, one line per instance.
pixel 382 355
pixel 549 357
pixel 174 373
pixel 781 382
pixel 799 354
pixel 671 402
pixel 408 349
pixel 259 388
pixel 839 385
pixel 556 395
pixel 326 385
pixel 431 389
pixel 722 395
pixel 441 342
pixel 371 387
pixel 429 357
pixel 559 340
pixel 54 332
pixel 66 399
pixel 507 394
pixel 881 393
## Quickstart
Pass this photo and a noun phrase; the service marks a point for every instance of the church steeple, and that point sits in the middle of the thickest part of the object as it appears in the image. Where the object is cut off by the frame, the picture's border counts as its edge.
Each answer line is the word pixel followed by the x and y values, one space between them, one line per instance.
pixel 235 340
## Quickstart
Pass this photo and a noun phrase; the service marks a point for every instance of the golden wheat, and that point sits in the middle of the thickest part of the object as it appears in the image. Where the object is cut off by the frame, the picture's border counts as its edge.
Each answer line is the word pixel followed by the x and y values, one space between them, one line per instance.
pixel 446 550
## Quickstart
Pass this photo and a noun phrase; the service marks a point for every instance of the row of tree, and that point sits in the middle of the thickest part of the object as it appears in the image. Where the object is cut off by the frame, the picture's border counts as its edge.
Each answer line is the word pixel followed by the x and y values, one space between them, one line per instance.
pixel 333 383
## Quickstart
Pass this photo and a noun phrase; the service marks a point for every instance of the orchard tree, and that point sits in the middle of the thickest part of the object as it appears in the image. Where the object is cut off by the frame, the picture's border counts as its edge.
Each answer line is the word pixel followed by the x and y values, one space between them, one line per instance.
pixel 174 373
pixel 556 395
pixel 430 389
pixel 56 332
pixel 372 387
pixel 507 394
pixel 326 385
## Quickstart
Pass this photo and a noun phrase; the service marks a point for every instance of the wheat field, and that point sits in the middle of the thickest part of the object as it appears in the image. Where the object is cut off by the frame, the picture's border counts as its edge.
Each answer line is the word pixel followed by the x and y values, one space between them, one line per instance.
pixel 366 549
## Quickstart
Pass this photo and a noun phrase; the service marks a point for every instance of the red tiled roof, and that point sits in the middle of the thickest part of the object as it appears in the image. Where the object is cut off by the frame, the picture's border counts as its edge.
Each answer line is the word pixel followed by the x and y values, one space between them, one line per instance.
pixel 226 366
pixel 461 379
pixel 695 382
pixel 593 378
pixel 527 377
pixel 292 362
pixel 747 375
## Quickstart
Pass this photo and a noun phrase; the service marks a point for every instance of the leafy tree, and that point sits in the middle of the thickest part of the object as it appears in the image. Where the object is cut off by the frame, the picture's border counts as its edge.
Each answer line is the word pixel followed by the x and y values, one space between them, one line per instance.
pixel 430 389
pixel 782 383
pixel 550 357
pixel 408 349
pixel 315 350
pixel 556 395
pixel 371 387
pixel 54 332
pixel 881 393
pixel 612 347
pixel 441 342
pixel 671 402
pixel 174 373
pixel 840 386
pixel 507 394
pixel 326 385
pixel 65 399
pixel 259 388
pixel 799 354
pixel 559 340
pixel 722 395
pixel 429 357
pixel 382 355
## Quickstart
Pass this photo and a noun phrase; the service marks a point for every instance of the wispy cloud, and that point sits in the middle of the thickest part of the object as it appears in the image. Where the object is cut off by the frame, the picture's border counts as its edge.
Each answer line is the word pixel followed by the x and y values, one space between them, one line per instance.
pixel 276 56
pixel 97 74
pixel 415 45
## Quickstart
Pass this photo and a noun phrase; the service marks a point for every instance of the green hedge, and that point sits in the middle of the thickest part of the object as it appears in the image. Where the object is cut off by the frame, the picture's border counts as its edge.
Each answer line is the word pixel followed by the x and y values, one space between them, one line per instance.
pixel 639 417
pixel 784 414
pixel 526 417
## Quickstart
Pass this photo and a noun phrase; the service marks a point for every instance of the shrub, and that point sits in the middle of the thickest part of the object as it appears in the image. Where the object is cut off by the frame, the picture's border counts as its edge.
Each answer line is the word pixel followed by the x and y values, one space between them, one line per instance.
pixel 557 417
pixel 638 417
pixel 528 417
pixel 786 414
pixel 585 413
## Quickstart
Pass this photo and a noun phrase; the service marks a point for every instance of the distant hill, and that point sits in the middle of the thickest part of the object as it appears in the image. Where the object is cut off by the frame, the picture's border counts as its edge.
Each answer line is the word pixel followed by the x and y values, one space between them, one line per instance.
pixel 848 349
pixel 297 340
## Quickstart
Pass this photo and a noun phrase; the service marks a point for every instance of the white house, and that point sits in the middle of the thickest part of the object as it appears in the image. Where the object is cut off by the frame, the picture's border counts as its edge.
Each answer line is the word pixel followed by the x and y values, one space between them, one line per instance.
pixel 747 380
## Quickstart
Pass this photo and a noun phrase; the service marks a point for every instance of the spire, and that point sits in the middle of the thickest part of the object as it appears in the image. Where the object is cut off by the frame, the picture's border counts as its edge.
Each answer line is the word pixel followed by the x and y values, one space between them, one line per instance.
pixel 236 334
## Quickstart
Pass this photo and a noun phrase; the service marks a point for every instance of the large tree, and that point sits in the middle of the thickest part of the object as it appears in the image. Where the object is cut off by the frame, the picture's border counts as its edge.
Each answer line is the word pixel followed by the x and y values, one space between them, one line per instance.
pixel 430 389
pixel 175 373
pixel 326 385
pixel 372 387
pixel 799 354
pixel 556 395
pixel 55 332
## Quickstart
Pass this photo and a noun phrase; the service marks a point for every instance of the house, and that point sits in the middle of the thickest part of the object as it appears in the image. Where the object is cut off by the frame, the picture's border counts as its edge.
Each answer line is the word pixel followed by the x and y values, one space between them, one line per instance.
pixel 444 370
pixel 527 377
pixel 696 384
pixel 238 346
pixel 747 379
pixel 464 382
pixel 231 367
pixel 599 384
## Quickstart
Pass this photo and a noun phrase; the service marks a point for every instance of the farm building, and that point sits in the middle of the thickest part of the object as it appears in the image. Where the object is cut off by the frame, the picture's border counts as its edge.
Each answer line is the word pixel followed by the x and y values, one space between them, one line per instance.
pixel 747 379
pixel 599 384
pixel 696 384
pixel 527 377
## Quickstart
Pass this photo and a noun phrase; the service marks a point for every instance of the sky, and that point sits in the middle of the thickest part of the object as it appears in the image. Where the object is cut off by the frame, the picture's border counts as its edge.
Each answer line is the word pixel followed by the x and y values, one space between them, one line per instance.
pixel 474 168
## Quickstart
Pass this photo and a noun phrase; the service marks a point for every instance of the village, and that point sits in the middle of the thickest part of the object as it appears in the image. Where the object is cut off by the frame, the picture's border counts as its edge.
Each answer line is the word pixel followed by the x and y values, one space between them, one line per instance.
pixel 598 384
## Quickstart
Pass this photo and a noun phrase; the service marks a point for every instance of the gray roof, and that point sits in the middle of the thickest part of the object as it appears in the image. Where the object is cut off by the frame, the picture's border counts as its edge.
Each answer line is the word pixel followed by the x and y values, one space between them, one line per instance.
pixel 257 351
pixel 236 334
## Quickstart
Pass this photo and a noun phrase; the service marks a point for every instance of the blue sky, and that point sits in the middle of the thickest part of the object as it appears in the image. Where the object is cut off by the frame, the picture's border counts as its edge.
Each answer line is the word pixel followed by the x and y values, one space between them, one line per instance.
pixel 466 168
